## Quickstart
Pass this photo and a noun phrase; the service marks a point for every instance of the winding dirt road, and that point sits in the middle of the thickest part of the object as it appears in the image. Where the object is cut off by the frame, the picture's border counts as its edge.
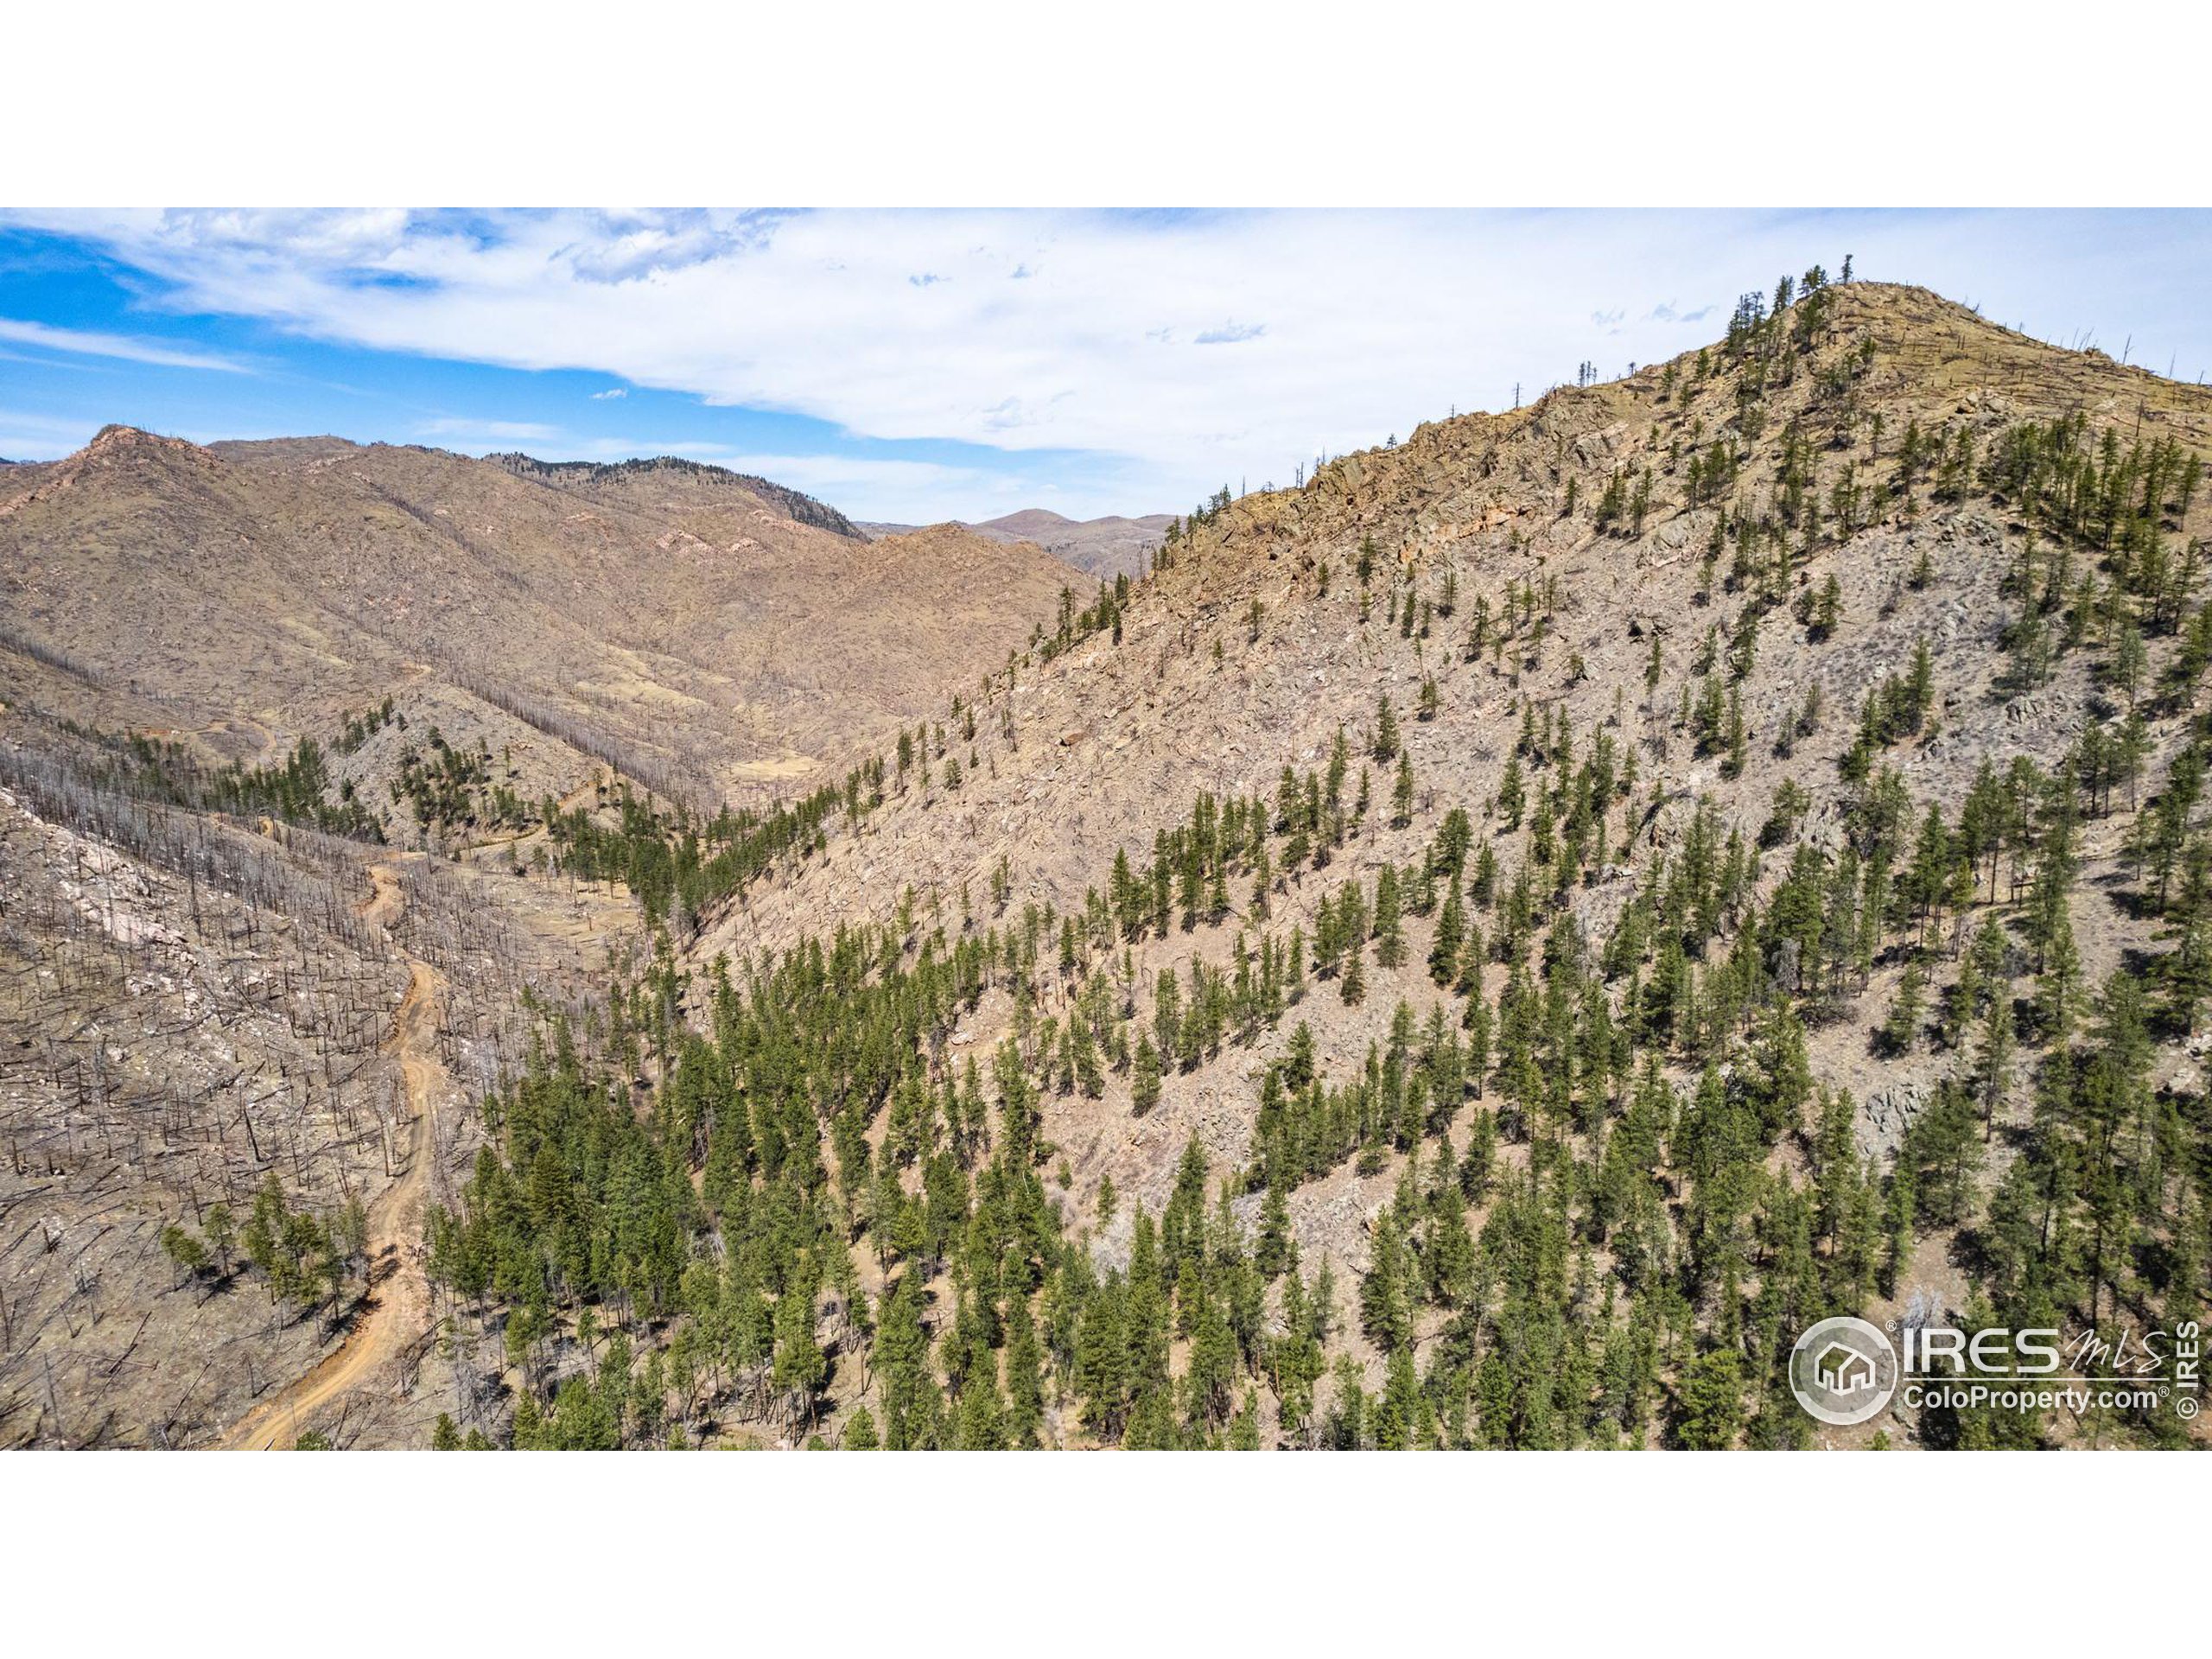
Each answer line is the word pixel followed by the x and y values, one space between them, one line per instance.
pixel 397 1309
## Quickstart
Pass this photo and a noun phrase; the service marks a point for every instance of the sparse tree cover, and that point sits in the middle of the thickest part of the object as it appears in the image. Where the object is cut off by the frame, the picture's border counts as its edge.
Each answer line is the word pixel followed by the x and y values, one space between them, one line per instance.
pixel 749 1158
pixel 1563 985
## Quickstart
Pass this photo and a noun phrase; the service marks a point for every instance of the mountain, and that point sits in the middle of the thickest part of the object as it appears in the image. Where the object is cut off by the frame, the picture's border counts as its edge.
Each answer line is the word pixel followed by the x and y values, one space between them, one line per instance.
pixel 1481 950
pixel 703 631
pixel 1655 638
pixel 1101 548
pixel 1031 523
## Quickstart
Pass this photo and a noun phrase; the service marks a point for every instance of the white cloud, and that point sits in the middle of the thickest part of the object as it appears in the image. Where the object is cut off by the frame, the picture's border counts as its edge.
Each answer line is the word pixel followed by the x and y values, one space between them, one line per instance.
pixel 1373 322
pixel 612 392
pixel 84 343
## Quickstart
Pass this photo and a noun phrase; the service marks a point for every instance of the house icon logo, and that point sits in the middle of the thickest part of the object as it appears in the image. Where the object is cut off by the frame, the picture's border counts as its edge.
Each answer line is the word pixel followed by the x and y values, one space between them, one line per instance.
pixel 1843 1372
pixel 1843 1369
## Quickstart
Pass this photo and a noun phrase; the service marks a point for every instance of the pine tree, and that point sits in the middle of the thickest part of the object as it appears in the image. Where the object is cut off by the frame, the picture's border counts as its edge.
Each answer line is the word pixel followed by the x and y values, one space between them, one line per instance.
pixel 1451 935
pixel 902 1360
pixel 221 1233
pixel 1271 1251
pixel 188 1252
pixel 859 1432
pixel 1389 927
pixel 1902 1028
pixel 1993 1061
pixel 1244 1430
pixel 1713 1400
pixel 1144 1084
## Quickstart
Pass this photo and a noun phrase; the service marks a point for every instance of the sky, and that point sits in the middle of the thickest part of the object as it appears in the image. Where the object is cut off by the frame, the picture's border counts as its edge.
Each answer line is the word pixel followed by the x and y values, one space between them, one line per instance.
pixel 916 366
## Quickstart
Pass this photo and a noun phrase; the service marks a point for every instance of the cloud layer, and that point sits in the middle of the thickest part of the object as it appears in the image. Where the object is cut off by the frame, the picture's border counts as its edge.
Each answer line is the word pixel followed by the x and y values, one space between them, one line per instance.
pixel 1174 352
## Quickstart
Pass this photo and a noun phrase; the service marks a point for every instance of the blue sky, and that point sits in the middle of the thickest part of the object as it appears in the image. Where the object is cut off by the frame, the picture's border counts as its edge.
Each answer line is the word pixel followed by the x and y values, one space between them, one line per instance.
pixel 919 365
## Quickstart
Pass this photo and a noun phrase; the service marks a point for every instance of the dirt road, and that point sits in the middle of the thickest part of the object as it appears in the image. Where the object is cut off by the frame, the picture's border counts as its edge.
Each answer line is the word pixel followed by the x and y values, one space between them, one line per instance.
pixel 399 1304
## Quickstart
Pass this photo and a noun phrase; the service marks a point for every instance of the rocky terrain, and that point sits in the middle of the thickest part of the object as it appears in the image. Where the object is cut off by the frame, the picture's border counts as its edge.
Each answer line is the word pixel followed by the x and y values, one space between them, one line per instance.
pixel 1593 884
pixel 197 1006
pixel 1261 641
pixel 200 999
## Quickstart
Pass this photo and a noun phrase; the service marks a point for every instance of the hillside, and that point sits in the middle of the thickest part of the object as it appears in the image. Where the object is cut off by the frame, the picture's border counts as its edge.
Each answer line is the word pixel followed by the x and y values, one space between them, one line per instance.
pixel 705 633
pixel 669 473
pixel 234 682
pixel 1565 626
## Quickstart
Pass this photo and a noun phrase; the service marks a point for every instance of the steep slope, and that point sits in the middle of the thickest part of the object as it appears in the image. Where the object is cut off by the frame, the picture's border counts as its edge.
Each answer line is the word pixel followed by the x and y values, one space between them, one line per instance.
pixel 189 1009
pixel 237 1060
pixel 1717 575
pixel 1109 742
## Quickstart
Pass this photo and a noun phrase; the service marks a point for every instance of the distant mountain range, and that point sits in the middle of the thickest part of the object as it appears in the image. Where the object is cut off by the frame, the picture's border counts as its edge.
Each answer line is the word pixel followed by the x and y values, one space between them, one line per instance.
pixel 1104 548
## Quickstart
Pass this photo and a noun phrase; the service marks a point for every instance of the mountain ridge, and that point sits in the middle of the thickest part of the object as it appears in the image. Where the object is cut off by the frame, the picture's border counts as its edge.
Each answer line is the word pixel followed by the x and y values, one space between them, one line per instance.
pixel 794 504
